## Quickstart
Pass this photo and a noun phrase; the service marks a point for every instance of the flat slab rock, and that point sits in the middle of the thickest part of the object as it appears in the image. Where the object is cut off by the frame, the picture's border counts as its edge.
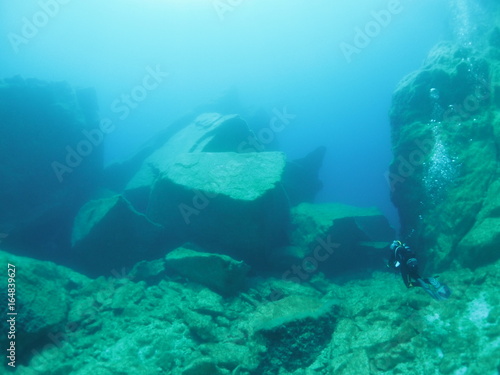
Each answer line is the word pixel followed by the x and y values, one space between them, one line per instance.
pixel 208 132
pixel 224 202
pixel 220 273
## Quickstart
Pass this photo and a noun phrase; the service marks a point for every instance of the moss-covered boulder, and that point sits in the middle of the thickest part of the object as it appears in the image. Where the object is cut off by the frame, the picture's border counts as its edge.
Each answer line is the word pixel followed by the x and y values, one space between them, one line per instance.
pixel 224 202
pixel 294 330
pixel 208 132
pixel 218 272
pixel 335 238
pixel 444 176
pixel 109 234
pixel 40 295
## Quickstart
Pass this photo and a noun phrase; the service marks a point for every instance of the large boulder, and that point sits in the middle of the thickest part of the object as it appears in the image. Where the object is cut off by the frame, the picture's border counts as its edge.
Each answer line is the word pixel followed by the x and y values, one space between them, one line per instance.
pixel 336 238
pixel 41 299
pixel 444 176
pixel 109 234
pixel 294 330
pixel 51 161
pixel 301 179
pixel 224 202
pixel 208 132
pixel 218 272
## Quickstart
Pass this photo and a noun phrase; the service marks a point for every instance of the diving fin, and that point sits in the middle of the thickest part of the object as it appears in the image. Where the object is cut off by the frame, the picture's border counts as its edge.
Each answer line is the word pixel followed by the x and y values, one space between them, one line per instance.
pixel 435 289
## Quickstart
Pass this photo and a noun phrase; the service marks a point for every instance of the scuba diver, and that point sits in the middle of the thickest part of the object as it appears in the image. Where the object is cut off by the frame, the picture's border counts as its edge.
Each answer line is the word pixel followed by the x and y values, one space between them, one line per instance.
pixel 404 259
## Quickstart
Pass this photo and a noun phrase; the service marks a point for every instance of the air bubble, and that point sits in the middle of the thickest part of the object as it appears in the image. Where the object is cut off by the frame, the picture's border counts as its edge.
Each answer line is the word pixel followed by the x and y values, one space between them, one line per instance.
pixel 434 93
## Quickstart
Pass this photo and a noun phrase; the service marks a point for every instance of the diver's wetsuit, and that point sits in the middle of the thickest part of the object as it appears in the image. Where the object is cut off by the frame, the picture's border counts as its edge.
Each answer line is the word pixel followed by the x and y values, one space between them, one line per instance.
pixel 403 258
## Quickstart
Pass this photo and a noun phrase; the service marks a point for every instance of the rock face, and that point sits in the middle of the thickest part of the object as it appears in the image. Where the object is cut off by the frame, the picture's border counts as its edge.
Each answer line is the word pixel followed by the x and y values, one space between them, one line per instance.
pixel 444 177
pixel 224 202
pixel 109 234
pixel 209 132
pixel 51 161
pixel 335 238
pixel 41 300
pixel 218 272
pixel 301 179
pixel 296 329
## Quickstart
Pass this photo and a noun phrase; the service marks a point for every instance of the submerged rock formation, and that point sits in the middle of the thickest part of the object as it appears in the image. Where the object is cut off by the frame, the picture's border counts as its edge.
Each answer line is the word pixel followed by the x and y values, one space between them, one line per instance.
pixel 209 132
pixel 109 234
pixel 444 177
pixel 198 181
pixel 335 238
pixel 218 272
pixel 51 162
pixel 295 329
pixel 224 202
pixel 71 324
pixel 40 296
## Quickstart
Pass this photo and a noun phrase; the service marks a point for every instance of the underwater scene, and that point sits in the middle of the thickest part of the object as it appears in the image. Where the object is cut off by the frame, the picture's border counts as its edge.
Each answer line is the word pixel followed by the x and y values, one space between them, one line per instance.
pixel 250 187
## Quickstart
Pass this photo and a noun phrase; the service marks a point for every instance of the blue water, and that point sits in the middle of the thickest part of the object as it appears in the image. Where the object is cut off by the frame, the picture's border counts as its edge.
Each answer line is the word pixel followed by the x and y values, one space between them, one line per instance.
pixel 285 55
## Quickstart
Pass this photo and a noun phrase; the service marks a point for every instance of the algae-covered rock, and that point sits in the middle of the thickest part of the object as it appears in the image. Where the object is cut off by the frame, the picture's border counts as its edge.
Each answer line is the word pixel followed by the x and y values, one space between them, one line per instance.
pixel 208 132
pixel 150 271
pixel 224 202
pixel 41 299
pixel 399 330
pixel 231 355
pixel 444 177
pixel 336 238
pixel 480 245
pixel 109 234
pixel 219 272
pixel 356 363
pixel 295 330
pixel 370 326
pixel 202 366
